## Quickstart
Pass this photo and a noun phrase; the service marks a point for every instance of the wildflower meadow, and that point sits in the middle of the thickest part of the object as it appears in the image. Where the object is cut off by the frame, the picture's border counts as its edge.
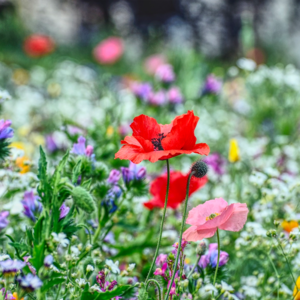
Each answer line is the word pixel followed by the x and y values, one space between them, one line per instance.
pixel 166 176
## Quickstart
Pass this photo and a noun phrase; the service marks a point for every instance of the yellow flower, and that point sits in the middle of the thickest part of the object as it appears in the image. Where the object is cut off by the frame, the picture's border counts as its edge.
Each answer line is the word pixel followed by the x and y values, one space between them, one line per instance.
pixel 20 77
pixel 234 151
pixel 15 295
pixel 109 131
pixel 296 292
pixel 23 163
pixel 288 226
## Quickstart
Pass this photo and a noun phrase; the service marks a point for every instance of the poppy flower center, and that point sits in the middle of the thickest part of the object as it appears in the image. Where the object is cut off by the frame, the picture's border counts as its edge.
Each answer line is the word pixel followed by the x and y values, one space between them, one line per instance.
pixel 212 216
pixel 157 142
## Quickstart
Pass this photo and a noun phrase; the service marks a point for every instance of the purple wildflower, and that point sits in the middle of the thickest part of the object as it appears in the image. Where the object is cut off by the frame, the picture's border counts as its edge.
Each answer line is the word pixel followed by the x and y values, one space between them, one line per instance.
pixel 134 172
pixel 48 261
pixel 51 144
pixel 30 282
pixel 114 176
pixel 158 98
pixel 174 95
pixel 100 278
pixel 10 267
pixel 64 210
pixel 5 131
pixel 162 271
pixel 142 90
pixel 204 261
pixel 212 85
pixel 31 205
pixel 224 257
pixel 80 148
pixel 165 73
pixel 216 162
pixel 3 219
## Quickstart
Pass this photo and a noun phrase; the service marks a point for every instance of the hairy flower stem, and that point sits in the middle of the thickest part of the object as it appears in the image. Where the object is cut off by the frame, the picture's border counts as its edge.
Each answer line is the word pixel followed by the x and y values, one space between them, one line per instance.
pixel 157 285
pixel 194 267
pixel 180 236
pixel 218 261
pixel 277 275
pixel 288 263
pixel 162 222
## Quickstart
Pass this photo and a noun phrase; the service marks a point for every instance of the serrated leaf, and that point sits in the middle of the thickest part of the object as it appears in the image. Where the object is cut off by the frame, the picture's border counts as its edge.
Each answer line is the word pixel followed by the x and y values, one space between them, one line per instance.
pixel 42 166
pixel 51 283
pixel 76 171
pixel 20 246
pixel 37 259
pixel 143 294
pixel 57 174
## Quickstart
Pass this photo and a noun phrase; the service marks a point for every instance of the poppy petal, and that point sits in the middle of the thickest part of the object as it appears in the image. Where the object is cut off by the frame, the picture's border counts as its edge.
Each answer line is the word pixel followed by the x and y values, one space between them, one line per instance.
pixel 193 235
pixel 145 127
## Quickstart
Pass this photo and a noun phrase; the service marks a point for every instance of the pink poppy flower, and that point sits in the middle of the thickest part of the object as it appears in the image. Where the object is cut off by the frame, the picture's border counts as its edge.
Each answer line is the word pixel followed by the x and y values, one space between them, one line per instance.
pixel 213 214
pixel 109 51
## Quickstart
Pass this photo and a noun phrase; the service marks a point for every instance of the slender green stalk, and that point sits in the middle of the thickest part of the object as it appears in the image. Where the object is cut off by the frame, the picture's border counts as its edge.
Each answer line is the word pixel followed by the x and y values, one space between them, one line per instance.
pixel 218 261
pixel 194 267
pixel 277 275
pixel 180 236
pixel 157 285
pixel 162 221
pixel 288 263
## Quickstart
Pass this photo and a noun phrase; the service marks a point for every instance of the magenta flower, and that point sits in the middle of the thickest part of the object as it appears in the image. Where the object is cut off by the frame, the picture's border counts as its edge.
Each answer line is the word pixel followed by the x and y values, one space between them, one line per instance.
pixel 80 148
pixel 5 131
pixel 162 271
pixel 165 73
pixel 213 214
pixel 216 162
pixel 3 219
pixel 174 95
pixel 161 259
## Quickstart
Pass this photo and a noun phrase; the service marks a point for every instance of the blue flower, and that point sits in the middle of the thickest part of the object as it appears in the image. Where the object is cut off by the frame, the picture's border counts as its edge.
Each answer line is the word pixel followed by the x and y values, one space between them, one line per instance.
pixel 30 282
pixel 5 131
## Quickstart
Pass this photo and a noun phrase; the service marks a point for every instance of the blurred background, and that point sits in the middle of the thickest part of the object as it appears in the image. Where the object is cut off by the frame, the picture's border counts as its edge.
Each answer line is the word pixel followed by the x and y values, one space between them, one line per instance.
pixel 266 31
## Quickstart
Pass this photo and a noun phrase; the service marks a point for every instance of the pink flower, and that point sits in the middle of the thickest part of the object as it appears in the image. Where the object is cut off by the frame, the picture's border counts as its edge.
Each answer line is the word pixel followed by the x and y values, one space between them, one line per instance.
pixel 109 51
pixel 213 214
pixel 161 271
pixel 153 62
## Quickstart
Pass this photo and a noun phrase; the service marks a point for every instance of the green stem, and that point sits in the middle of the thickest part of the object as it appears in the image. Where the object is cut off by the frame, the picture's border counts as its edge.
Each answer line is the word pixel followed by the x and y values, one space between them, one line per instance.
pixel 162 221
pixel 196 264
pixel 288 263
pixel 157 285
pixel 277 275
pixel 180 236
pixel 218 261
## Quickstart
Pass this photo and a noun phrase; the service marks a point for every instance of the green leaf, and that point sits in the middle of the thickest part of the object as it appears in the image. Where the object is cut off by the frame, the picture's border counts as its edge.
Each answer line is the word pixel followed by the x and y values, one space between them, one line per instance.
pixel 143 294
pixel 86 295
pixel 51 283
pixel 57 174
pixel 87 184
pixel 42 166
pixel 38 256
pixel 17 251
pixel 20 246
pixel 76 171
pixel 38 230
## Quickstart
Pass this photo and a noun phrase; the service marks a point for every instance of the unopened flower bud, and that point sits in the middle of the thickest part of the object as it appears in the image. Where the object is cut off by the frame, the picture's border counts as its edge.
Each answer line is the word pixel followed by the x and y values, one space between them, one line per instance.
pixel 276 223
pixel 199 169
pixel 195 275
pixel 83 199
pixel 293 236
pixel 271 233
pixel 201 248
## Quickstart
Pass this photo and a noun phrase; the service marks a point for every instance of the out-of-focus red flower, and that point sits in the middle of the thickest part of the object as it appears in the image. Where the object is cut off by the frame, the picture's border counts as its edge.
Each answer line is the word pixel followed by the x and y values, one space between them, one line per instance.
pixel 38 45
pixel 109 51
pixel 178 185
pixel 152 141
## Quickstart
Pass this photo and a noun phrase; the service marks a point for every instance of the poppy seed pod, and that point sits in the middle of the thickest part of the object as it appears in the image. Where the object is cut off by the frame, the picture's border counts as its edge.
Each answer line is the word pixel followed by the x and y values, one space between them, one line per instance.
pixel 83 199
pixel 199 169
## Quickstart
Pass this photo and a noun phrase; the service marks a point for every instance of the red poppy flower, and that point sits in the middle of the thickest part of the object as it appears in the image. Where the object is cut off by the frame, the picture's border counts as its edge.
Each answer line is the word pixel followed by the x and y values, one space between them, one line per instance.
pixel 153 141
pixel 38 45
pixel 178 184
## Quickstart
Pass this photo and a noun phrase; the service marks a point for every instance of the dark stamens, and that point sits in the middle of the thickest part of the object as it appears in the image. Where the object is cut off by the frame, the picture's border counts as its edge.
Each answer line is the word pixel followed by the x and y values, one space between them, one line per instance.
pixel 157 142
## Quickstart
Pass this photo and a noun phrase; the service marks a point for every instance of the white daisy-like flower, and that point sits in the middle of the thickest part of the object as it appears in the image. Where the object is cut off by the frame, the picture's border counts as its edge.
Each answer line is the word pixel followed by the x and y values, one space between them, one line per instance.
pixel 114 267
pixel 60 239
